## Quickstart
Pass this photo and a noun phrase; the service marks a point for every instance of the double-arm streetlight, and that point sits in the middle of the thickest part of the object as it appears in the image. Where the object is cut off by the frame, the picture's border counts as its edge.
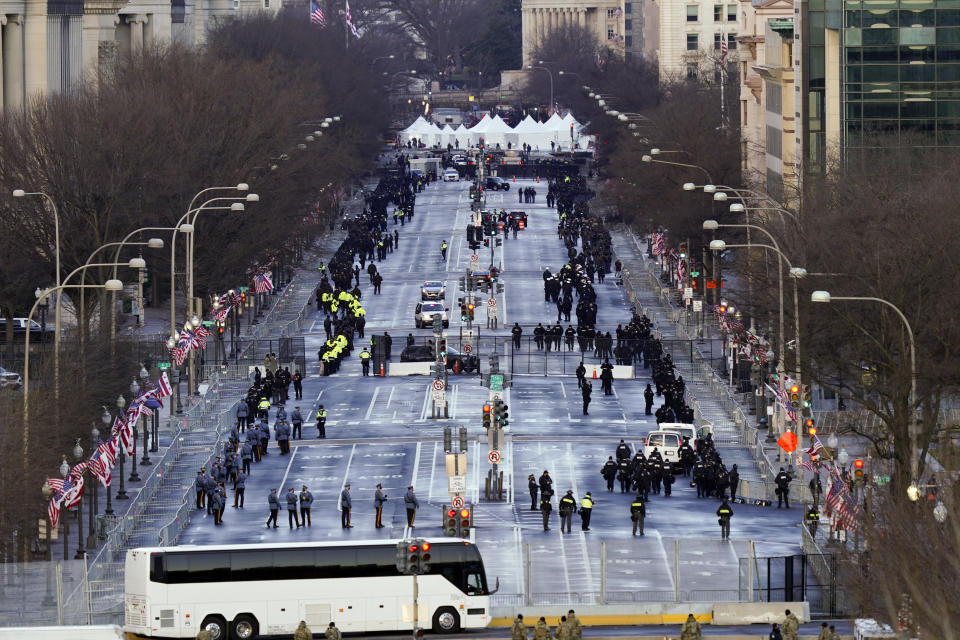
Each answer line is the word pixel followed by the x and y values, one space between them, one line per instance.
pixel 539 65
pixel 648 158
pixel 20 193
pixel 824 296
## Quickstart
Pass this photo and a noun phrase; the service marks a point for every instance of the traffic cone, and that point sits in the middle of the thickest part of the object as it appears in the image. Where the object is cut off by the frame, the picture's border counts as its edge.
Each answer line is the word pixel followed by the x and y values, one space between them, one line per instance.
pixel 382 373
pixel 514 178
pixel 538 179
pixel 594 373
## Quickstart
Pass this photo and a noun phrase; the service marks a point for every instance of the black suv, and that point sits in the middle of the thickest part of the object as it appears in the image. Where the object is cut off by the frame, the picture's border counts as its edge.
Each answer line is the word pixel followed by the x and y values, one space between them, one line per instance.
pixel 495 183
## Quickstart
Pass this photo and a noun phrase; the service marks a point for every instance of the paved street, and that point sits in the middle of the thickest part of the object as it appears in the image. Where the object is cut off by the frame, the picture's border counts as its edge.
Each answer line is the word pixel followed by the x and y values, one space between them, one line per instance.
pixel 380 430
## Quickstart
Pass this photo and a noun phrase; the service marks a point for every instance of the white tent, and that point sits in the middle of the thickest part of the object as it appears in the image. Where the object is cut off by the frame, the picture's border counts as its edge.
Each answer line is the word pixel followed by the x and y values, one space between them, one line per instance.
pixel 448 135
pixel 497 132
pixel 533 133
pixel 569 119
pixel 433 135
pixel 478 130
pixel 419 129
pixel 559 130
pixel 462 137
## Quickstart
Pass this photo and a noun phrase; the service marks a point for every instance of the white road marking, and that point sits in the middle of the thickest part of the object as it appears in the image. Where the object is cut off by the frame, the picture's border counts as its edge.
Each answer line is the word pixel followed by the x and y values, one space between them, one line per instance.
pixel 373 401
pixel 416 467
pixel 666 561
pixel 433 468
pixel 283 482
pixel 346 474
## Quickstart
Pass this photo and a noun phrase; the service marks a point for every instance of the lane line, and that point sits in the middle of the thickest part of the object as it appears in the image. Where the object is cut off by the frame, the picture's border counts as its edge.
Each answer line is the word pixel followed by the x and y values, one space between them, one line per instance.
pixel 416 467
pixel 346 474
pixel 373 401
pixel 390 398
pixel 666 561
pixel 283 482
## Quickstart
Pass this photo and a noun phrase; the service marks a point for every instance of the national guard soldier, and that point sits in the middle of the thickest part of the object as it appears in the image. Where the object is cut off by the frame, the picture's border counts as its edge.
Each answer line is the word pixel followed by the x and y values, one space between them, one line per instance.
pixel 609 472
pixel 563 629
pixel 365 361
pixel 332 633
pixel 534 488
pixel 586 510
pixel 346 503
pixel 638 511
pixel 824 632
pixel 691 629
pixel 545 509
pixel 292 508
pixel 568 504
pixel 783 488
pixel 518 631
pixel 321 422
pixel 411 504
pixel 791 626
pixel 542 631
pixel 725 512
pixel 306 503
pixel 274 503
pixel 576 629
pixel 239 488
pixel 378 499
pixel 303 632
pixel 296 418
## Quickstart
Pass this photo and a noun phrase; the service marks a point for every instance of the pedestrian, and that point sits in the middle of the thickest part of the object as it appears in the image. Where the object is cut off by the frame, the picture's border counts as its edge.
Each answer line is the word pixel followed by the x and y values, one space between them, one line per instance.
pixel 303 632
pixel 292 508
pixel 411 504
pixel 725 512
pixel 691 629
pixel 239 488
pixel 734 479
pixel 775 632
pixel 545 509
pixel 332 633
pixel 518 631
pixel 534 488
pixel 541 631
pixel 576 629
pixel 306 503
pixel 783 491
pixel 274 502
pixel 365 361
pixel 791 626
pixel 346 503
pixel 378 499
pixel 568 504
pixel 586 510
pixel 321 422
pixel 638 512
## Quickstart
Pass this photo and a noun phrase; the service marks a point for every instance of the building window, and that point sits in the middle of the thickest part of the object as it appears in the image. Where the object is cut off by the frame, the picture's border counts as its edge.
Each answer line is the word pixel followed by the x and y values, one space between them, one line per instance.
pixel 610 33
pixel 628 41
pixel 628 24
pixel 717 12
pixel 266 4
pixel 611 13
pixel 691 71
pixel 716 42
pixel 731 41
pixel 693 42
pixel 692 12
pixel 628 7
pixel 731 13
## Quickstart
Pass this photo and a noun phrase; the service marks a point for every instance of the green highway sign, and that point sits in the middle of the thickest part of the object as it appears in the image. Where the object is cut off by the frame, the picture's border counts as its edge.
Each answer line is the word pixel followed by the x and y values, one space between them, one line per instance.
pixel 244 289
pixel 496 382
pixel 208 323
pixel 163 366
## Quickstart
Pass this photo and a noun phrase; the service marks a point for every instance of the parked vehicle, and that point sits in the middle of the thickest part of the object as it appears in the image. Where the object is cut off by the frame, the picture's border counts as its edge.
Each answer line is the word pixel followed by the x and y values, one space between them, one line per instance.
pixel 495 183
pixel 689 431
pixel 667 444
pixel 456 361
pixel 451 175
pixel 10 380
pixel 38 333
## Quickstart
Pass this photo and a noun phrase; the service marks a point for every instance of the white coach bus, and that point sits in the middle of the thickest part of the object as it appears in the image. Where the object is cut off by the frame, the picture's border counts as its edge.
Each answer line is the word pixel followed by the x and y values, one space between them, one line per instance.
pixel 241 592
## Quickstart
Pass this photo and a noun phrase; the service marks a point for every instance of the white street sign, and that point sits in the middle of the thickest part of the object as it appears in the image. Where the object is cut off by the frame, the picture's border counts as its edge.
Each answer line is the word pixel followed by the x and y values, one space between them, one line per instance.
pixel 438 385
pixel 495 395
pixel 494 456
pixel 468 348
pixel 439 397
pixel 458 501
pixel 456 484
pixel 492 302
pixel 698 306
pixel 688 292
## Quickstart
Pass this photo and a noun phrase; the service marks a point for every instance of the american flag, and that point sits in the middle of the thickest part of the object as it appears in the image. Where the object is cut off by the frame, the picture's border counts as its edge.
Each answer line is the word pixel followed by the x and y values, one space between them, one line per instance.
pixel 108 452
pixel 262 283
pixel 681 269
pixel 817 446
pixel 805 463
pixel 72 493
pixel 236 300
pixel 316 15
pixel 163 386
pixel 848 511
pixel 53 512
pixel 350 24
pixel 100 469
pixel 657 244
pixel 833 496
pixel 179 355
pixel 201 335
pixel 220 313
pixel 77 471
pixel 723 47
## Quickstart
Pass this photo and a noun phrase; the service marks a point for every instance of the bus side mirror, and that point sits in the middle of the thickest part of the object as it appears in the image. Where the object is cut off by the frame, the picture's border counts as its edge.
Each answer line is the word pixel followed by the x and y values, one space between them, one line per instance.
pixel 496 588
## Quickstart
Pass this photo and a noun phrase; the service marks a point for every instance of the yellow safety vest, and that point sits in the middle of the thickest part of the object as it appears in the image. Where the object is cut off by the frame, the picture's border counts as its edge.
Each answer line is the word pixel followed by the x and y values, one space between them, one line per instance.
pixel 586 503
pixel 364 355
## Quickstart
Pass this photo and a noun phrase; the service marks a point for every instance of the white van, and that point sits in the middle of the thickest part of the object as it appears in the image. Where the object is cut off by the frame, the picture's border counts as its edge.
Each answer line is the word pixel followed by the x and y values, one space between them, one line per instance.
pixel 667 444
pixel 689 431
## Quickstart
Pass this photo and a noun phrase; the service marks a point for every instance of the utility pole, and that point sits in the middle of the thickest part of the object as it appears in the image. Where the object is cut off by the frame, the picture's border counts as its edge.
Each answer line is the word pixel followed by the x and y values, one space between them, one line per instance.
pixel 439 387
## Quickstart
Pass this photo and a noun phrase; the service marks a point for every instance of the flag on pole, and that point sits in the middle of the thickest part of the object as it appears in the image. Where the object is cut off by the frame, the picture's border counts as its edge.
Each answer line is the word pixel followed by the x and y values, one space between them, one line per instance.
pixel 108 452
pixel 723 47
pixel 848 510
pixel 77 471
pixel 316 15
pixel 833 496
pixel 817 446
pixel 805 464
pixel 72 493
pixel 262 283
pixel 53 512
pixel 163 386
pixel 349 18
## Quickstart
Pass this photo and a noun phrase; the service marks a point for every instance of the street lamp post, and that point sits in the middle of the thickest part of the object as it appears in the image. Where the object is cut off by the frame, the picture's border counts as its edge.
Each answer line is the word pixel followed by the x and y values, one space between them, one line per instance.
pixel 93 500
pixel 550 73
pixel 134 476
pixel 64 472
pixel 106 419
pixel 20 193
pixel 81 552
pixel 648 158
pixel 48 600
pixel 109 285
pixel 824 296
pixel 121 492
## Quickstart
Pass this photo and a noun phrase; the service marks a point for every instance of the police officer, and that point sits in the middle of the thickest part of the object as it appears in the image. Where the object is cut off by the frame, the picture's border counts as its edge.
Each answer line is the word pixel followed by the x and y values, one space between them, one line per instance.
pixel 581 372
pixel 586 388
pixel 292 508
pixel 306 503
pixel 586 509
pixel 545 509
pixel 346 503
pixel 783 488
pixel 623 451
pixel 218 499
pixel 516 332
pixel 568 504
pixel 609 472
pixel 321 422
pixel 283 437
pixel 297 419
pixel 534 488
pixel 200 485
pixel 443 250
pixel 812 518
pixel 239 488
pixel 274 502
pixel 638 511
pixel 411 504
pixel 725 512
pixel 648 399
pixel 378 499
pixel 246 456
pixel 365 361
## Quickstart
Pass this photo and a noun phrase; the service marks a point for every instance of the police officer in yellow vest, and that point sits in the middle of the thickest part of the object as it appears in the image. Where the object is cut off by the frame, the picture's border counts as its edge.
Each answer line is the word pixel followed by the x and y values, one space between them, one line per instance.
pixel 586 508
pixel 443 250
pixel 263 407
pixel 725 512
pixel 365 361
pixel 322 422
pixel 638 511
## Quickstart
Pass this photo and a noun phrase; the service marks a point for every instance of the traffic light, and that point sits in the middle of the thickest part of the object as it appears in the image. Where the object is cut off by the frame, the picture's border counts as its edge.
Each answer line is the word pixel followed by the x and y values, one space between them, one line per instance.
pixel 402 556
pixel 811 427
pixel 858 470
pixel 499 287
pixel 683 250
pixel 450 521
pixel 794 396
pixel 499 242
pixel 463 284
pixel 463 312
pixel 470 309
pixel 807 398
pixel 486 416
pixel 442 353
pixel 502 415
pixel 447 439
pixel 220 330
pixel 465 521
pixel 486 242
pixel 243 297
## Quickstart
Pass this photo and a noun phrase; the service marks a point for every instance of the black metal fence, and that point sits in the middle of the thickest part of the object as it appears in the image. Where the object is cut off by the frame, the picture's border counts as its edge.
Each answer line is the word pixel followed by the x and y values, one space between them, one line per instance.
pixel 794 578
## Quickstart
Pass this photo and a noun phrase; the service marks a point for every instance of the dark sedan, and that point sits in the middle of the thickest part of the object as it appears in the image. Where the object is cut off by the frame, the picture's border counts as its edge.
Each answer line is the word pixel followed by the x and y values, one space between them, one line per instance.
pixel 456 361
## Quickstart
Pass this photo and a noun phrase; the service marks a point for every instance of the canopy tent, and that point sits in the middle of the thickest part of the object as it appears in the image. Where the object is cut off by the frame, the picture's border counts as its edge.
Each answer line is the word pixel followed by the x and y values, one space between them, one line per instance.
pixel 478 130
pixel 433 135
pixel 447 135
pixel 494 131
pixel 533 133
pixel 462 137
pixel 419 129
pixel 569 119
pixel 559 129
pixel 497 132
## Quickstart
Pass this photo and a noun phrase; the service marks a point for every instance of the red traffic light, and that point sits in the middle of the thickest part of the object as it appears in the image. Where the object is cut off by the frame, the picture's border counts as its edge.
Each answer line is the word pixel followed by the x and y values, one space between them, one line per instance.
pixel 451 513
pixel 794 389
pixel 413 548
pixel 426 546
pixel 486 408
pixel 464 513
pixel 858 463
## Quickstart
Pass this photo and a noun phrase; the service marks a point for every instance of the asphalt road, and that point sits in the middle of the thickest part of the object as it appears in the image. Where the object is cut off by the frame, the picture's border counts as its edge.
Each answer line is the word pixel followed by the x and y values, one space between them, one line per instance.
pixel 380 430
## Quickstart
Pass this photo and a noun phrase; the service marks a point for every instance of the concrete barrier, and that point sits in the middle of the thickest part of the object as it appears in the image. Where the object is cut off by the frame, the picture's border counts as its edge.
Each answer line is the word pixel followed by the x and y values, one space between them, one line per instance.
pixel 620 372
pixel 608 615
pixel 408 369
pixel 737 613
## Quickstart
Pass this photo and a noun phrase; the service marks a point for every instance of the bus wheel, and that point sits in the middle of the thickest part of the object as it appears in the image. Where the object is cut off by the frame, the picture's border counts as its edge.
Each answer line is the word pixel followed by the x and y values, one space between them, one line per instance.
pixel 446 620
pixel 244 627
pixel 217 627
